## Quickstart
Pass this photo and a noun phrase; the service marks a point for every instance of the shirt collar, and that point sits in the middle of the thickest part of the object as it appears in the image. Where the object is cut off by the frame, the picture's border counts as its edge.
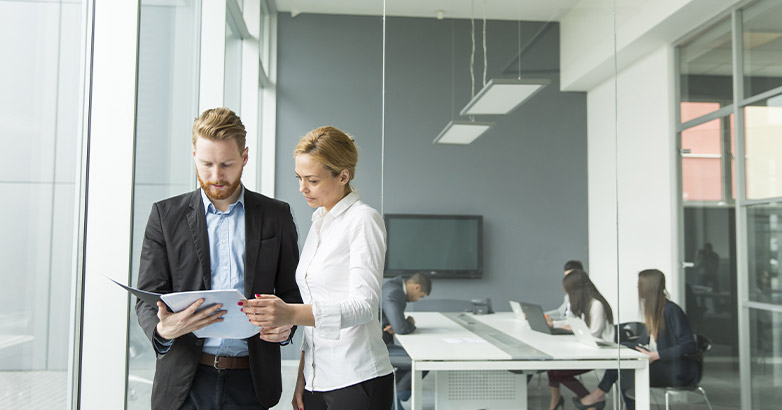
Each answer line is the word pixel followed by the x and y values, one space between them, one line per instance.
pixel 404 288
pixel 208 202
pixel 338 209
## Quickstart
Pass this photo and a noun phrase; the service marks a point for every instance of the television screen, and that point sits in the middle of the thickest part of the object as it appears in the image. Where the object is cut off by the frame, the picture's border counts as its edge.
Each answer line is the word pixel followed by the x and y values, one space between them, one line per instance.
pixel 447 246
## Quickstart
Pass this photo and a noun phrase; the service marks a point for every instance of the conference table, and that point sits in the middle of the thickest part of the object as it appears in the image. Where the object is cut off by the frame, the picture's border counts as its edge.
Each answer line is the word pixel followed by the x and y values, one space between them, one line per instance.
pixel 490 345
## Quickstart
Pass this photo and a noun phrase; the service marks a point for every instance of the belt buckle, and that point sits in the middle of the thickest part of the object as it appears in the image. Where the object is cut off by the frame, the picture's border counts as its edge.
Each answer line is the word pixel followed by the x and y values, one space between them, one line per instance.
pixel 216 362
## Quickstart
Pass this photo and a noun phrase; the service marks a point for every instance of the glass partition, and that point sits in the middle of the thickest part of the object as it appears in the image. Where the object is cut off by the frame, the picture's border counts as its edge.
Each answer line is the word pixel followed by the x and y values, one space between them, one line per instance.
pixel 40 174
pixel 763 134
pixel 232 94
pixel 762 47
pixel 706 71
pixel 167 102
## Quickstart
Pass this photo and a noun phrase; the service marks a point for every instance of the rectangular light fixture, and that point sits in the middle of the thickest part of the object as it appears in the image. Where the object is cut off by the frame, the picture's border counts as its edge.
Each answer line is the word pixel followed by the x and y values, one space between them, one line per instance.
pixel 503 95
pixel 462 132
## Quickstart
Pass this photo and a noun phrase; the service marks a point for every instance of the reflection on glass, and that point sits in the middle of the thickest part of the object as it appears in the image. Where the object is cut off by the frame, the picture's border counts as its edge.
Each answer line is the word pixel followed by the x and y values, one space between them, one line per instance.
pixel 762 34
pixel 166 108
pixel 39 101
pixel 232 93
pixel 763 130
pixel 766 358
pixel 765 239
pixel 705 172
pixel 706 69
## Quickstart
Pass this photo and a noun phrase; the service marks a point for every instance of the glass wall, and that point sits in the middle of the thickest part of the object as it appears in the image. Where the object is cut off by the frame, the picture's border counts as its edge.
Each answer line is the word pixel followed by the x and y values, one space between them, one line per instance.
pixel 39 124
pixel 167 102
pixel 732 236
pixel 232 94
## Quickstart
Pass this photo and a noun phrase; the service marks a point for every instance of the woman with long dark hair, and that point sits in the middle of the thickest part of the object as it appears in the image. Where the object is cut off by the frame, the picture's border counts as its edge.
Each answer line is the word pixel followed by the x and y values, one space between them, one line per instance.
pixel 587 303
pixel 668 343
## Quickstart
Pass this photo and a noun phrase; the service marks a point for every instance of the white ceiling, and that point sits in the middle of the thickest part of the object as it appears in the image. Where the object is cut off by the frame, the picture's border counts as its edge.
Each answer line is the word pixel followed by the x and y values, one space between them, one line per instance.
pixel 529 10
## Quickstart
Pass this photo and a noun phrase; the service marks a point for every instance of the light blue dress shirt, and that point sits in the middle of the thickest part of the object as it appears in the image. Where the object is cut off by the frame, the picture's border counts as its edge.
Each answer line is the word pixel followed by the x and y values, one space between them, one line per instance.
pixel 226 253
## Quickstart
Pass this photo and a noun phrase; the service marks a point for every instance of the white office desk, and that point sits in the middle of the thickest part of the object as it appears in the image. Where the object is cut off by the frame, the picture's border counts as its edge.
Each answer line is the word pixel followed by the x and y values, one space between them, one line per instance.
pixel 441 344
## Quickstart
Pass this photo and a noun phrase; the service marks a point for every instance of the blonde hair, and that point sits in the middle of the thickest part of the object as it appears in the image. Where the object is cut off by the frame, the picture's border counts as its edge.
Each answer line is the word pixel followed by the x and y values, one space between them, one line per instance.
pixel 220 124
pixel 332 148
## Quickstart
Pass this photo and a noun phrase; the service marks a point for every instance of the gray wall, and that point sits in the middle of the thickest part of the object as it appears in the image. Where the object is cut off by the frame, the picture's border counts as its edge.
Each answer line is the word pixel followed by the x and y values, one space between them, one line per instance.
pixel 526 176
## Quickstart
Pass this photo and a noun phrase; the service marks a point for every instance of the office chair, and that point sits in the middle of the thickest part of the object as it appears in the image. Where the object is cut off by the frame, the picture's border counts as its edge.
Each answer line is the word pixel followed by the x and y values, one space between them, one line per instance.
pixel 629 332
pixel 702 345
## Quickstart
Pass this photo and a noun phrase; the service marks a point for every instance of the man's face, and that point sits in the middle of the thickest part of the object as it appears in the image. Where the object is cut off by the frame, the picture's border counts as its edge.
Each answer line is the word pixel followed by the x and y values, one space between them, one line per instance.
pixel 415 294
pixel 219 166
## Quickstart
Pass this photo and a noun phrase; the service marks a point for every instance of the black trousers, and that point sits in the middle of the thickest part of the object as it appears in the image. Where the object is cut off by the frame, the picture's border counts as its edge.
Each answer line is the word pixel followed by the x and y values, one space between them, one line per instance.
pixel 372 394
pixel 661 374
pixel 214 389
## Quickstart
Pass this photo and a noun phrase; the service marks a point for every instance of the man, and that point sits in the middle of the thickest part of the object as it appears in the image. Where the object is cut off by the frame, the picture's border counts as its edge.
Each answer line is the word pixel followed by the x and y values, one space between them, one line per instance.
pixel 396 293
pixel 560 312
pixel 221 236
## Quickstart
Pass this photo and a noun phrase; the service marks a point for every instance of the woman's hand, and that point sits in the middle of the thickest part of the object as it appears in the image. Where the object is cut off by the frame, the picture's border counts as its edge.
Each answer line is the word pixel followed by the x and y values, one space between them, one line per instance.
pixel 653 356
pixel 268 311
pixel 275 334
pixel 298 393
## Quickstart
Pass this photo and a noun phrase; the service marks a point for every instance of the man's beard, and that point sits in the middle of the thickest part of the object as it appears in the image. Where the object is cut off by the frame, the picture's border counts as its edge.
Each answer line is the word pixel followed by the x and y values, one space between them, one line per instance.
pixel 215 194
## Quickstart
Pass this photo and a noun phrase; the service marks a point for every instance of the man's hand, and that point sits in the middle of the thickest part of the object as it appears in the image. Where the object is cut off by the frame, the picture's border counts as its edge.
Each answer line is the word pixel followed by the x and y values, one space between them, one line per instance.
pixel 388 329
pixel 268 311
pixel 173 325
pixel 275 334
pixel 411 320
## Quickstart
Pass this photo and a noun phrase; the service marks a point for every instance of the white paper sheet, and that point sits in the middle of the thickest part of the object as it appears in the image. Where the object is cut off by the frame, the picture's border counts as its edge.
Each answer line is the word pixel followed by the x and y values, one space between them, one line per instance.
pixel 235 325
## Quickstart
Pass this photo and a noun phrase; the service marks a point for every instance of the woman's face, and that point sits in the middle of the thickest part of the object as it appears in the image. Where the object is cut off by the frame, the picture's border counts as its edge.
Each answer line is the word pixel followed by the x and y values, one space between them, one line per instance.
pixel 317 184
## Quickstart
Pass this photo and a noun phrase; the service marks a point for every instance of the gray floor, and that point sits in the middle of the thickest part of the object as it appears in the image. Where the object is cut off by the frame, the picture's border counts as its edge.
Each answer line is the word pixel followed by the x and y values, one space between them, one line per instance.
pixel 34 390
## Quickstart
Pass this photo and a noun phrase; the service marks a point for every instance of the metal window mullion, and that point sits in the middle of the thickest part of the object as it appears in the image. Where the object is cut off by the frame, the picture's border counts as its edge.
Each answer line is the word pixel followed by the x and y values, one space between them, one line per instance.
pixel 742 251
pixel 680 203
pixel 722 112
pixel 762 96
pixel 766 307
pixel 764 201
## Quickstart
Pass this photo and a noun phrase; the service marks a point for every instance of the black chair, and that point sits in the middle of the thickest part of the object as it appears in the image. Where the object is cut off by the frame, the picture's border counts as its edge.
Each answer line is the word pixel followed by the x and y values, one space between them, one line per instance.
pixel 702 345
pixel 630 332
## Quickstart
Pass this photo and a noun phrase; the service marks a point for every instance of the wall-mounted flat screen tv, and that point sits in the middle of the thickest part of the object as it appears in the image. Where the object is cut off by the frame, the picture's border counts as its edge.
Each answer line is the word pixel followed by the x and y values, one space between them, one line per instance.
pixel 444 246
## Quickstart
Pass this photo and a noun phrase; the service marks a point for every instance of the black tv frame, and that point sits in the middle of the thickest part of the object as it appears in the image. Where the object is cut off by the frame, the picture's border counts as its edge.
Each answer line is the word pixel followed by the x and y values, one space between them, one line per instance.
pixel 439 273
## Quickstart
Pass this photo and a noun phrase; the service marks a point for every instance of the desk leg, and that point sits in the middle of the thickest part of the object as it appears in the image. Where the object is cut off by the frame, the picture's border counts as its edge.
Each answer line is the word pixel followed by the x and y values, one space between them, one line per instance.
pixel 642 387
pixel 415 400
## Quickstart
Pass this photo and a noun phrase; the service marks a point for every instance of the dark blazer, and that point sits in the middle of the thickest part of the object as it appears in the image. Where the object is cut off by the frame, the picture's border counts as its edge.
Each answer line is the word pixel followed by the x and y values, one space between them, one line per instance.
pixel 676 345
pixel 394 303
pixel 175 258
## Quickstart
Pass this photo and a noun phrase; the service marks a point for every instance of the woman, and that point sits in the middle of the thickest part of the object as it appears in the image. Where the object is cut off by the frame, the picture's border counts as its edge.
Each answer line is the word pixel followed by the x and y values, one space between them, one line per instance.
pixel 668 344
pixel 587 303
pixel 344 362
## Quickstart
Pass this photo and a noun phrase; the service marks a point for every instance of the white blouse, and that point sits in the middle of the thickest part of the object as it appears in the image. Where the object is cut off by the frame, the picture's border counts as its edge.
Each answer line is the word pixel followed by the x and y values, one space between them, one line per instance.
pixel 598 325
pixel 340 274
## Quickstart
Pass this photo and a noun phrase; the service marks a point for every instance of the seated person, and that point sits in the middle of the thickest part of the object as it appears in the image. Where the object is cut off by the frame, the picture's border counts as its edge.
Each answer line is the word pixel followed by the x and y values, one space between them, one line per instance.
pixel 396 293
pixel 587 303
pixel 668 344
pixel 559 313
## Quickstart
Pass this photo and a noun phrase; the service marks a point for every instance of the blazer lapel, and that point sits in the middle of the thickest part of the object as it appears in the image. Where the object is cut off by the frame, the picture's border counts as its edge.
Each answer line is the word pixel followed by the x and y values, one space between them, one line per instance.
pixel 196 220
pixel 253 220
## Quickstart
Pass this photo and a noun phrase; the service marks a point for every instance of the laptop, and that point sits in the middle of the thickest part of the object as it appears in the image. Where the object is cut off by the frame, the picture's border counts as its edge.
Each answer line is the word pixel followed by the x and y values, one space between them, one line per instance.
pixel 516 308
pixel 583 334
pixel 537 320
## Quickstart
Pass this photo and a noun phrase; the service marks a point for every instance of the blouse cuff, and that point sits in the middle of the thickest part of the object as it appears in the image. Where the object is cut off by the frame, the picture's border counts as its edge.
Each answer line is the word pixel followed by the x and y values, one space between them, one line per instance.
pixel 328 320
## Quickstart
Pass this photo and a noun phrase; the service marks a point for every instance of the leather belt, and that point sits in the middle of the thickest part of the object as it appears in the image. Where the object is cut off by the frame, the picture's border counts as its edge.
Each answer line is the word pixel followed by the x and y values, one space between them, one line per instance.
pixel 225 362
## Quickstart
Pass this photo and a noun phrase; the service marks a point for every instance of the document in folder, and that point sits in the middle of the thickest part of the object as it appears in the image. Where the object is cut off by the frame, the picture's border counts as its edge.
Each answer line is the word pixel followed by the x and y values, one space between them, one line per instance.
pixel 235 324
